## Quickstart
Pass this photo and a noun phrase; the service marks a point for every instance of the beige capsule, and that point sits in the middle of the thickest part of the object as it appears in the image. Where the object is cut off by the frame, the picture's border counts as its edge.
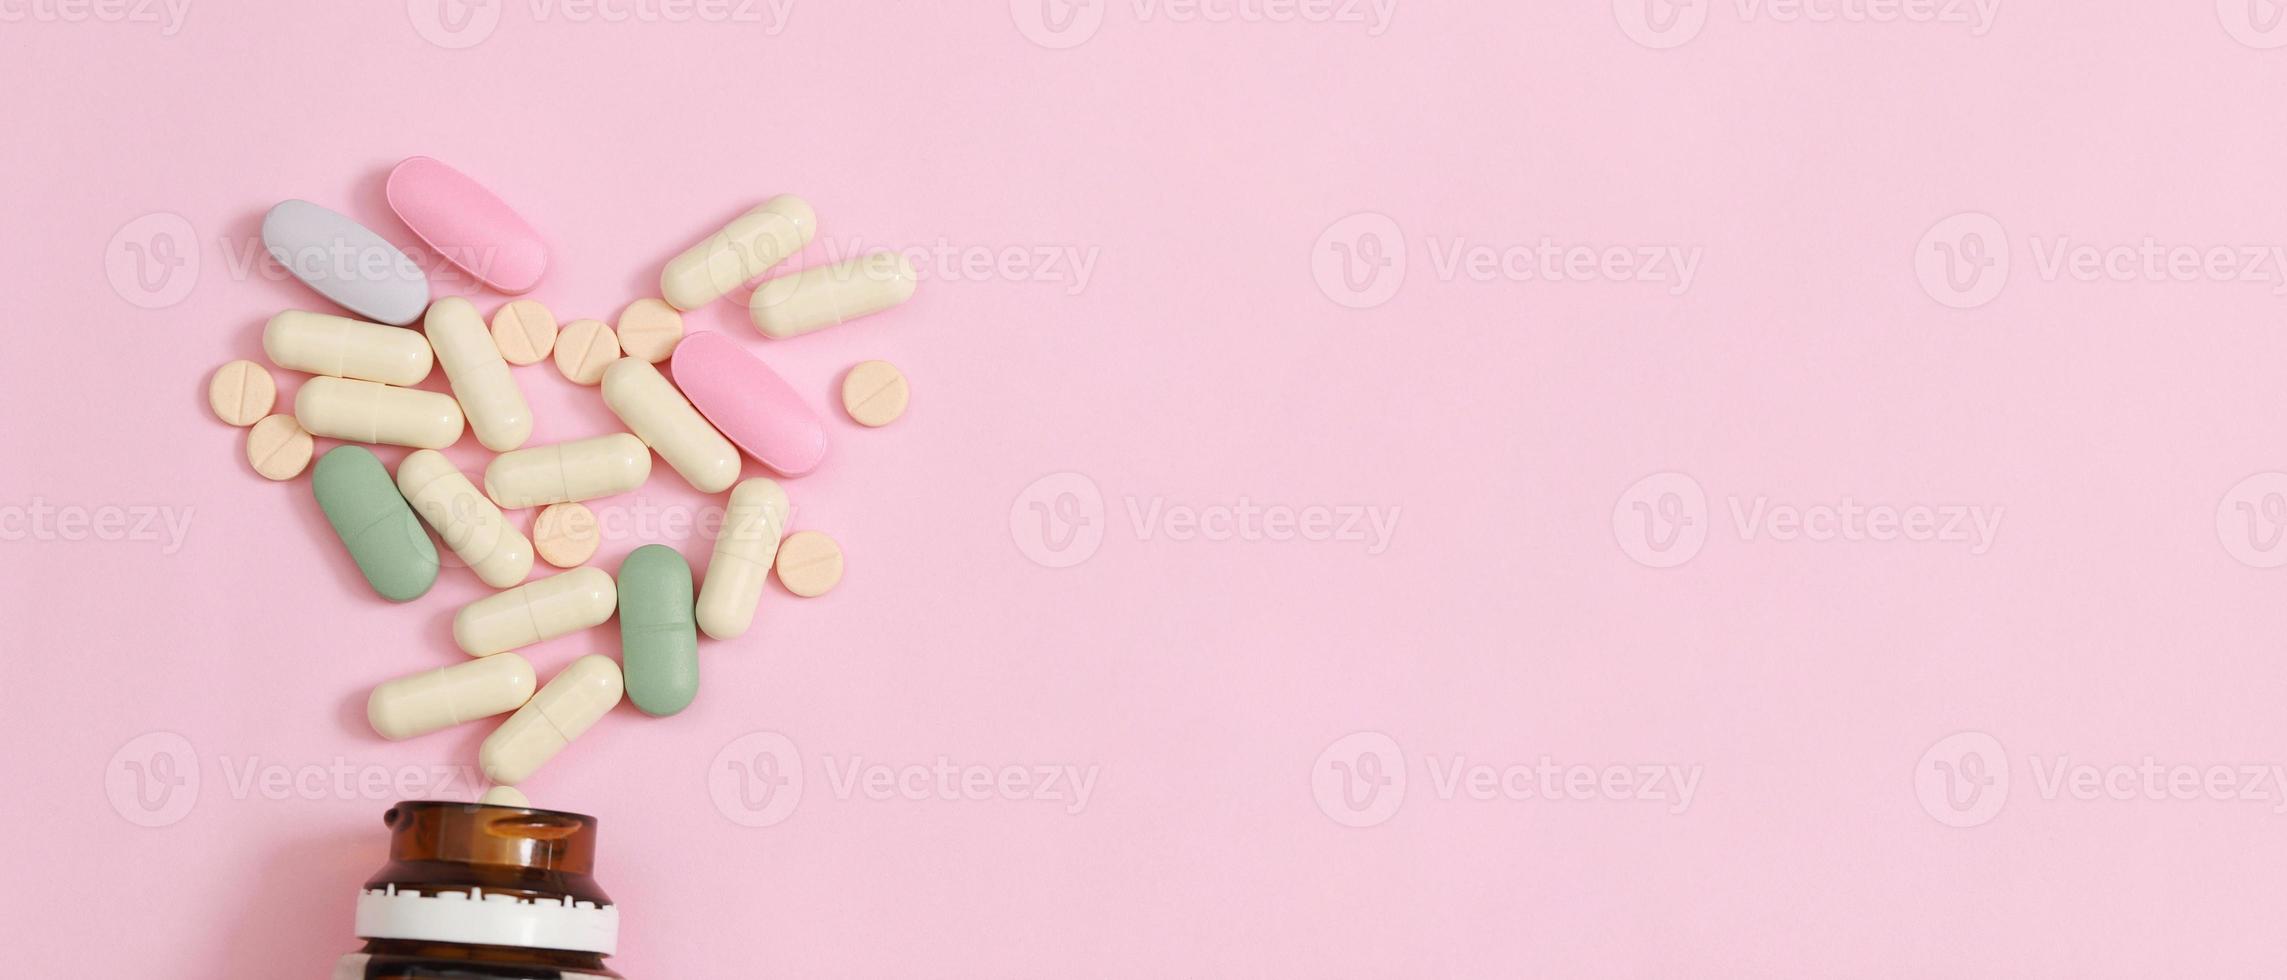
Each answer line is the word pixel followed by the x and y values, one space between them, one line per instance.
pixel 505 796
pixel 572 702
pixel 339 347
pixel 826 295
pixel 660 415
pixel 496 409
pixel 582 469
pixel 439 699
pixel 741 561
pixel 752 243
pixel 362 411
pixel 469 524
pixel 536 611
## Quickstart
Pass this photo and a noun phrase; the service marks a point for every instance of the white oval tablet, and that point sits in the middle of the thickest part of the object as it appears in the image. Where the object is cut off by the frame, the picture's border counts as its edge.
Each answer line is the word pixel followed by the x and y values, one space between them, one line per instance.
pixel 346 262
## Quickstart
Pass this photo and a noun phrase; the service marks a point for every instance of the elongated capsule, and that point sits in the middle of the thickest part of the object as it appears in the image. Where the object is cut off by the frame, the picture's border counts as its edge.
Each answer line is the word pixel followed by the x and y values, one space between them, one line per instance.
pixel 339 347
pixel 535 611
pixel 374 523
pixel 741 561
pixel 469 524
pixel 479 376
pixel 658 643
pixel 564 472
pixel 439 699
pixel 572 701
pixel 362 411
pixel 660 416
pixel 752 243
pixel 827 295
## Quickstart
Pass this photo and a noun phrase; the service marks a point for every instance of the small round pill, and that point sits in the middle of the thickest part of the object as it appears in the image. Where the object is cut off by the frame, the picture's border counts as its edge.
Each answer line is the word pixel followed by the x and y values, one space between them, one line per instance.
pixel 565 534
pixel 584 350
pixel 524 331
pixel 504 796
pixel 278 448
pixel 241 393
pixel 809 564
pixel 650 329
pixel 874 393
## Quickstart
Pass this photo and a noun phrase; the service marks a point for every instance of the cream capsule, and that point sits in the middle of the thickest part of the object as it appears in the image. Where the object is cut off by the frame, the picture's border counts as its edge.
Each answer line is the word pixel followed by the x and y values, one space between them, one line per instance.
pixel 536 611
pixel 665 421
pixel 339 347
pixel 757 240
pixel 572 701
pixel 583 469
pixel 439 699
pixel 827 295
pixel 479 376
pixel 741 562
pixel 469 524
pixel 362 411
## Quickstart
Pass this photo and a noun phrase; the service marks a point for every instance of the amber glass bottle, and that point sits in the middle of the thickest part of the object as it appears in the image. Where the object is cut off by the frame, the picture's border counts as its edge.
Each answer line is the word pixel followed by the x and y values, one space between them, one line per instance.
pixel 477 892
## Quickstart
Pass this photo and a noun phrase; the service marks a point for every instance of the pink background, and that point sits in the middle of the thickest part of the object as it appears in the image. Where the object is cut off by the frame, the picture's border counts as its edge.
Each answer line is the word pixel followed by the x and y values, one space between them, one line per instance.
pixel 1814 686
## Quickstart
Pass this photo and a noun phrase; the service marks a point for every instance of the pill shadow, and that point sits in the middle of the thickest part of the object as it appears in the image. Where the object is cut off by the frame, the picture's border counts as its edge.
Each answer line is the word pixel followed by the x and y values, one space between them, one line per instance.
pixel 305 885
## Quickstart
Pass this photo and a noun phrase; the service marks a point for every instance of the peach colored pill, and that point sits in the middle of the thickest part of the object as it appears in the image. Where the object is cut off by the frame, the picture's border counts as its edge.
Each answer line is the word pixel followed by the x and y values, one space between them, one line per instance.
pixel 278 448
pixel 874 393
pixel 241 393
pixel 809 564
pixel 649 329
pixel 584 350
pixel 566 534
pixel 524 331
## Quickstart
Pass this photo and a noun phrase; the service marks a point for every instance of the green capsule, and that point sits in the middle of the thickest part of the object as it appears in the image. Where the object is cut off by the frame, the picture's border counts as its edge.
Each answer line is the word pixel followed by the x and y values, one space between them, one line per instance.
pixel 373 520
pixel 658 631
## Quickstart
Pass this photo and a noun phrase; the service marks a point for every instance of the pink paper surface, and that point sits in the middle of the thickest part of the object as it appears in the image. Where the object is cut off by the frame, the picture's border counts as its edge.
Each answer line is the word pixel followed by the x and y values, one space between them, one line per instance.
pixel 1384 452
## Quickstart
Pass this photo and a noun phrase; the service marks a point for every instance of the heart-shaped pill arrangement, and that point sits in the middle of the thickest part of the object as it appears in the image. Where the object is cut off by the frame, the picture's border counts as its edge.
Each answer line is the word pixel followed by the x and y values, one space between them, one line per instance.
pixel 712 413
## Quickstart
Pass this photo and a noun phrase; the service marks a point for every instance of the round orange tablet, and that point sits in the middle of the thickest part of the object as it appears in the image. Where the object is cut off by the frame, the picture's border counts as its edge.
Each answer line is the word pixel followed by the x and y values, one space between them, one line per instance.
pixel 524 331
pixel 874 393
pixel 809 564
pixel 565 535
pixel 649 329
pixel 278 448
pixel 584 350
pixel 241 392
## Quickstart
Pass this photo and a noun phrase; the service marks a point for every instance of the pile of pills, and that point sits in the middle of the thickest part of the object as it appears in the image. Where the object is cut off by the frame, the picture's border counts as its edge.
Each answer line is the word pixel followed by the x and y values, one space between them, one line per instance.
pixel 714 407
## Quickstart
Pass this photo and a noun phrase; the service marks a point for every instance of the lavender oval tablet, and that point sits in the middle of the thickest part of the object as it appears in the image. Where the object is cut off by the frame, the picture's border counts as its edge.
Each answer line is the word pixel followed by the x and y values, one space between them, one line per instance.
pixel 469 226
pixel 749 403
pixel 346 262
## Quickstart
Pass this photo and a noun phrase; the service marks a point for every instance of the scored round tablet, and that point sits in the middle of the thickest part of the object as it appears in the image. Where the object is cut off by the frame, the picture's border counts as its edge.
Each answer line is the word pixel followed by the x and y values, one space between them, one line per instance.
pixel 649 329
pixel 524 331
pixel 584 350
pixel 278 448
pixel 809 564
pixel 566 534
pixel 874 393
pixel 241 393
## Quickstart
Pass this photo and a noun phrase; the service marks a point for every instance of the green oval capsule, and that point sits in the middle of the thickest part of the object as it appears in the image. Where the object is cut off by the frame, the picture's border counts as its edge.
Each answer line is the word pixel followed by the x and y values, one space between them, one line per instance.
pixel 658 630
pixel 384 538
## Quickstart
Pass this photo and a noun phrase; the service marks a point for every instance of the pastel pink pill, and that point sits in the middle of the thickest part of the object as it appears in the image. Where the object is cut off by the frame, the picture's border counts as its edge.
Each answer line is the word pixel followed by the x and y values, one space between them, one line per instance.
pixel 467 224
pixel 750 403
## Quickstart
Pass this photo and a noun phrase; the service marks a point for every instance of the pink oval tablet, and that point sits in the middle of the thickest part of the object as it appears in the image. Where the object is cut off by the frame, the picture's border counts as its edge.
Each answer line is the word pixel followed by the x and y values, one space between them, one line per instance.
pixel 750 403
pixel 469 226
